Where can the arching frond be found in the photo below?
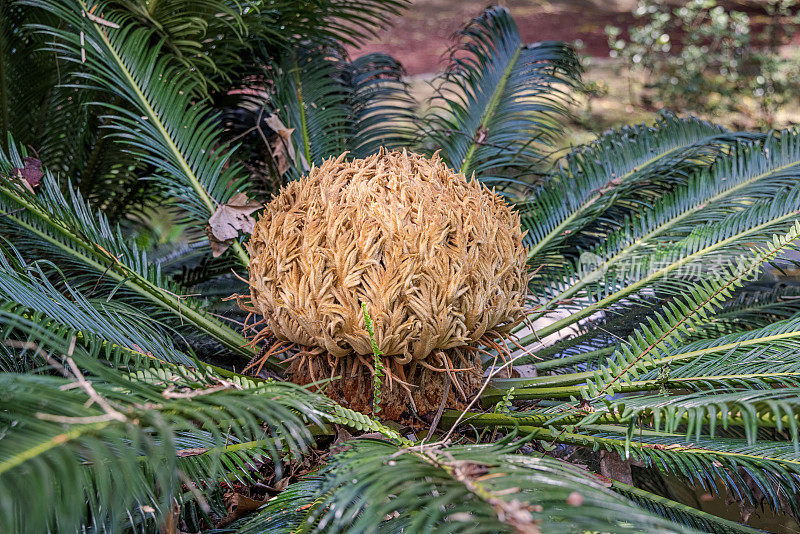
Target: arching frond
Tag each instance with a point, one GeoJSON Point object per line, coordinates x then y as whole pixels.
{"type": "Point", "coordinates": [742, 198]}
{"type": "Point", "coordinates": [333, 105]}
{"type": "Point", "coordinates": [119, 459]}
{"type": "Point", "coordinates": [623, 167]}
{"type": "Point", "coordinates": [382, 106]}
{"type": "Point", "coordinates": [497, 105]}
{"type": "Point", "coordinates": [664, 330]}
{"type": "Point", "coordinates": [32, 306]}
{"type": "Point", "coordinates": [160, 123]}
{"type": "Point", "coordinates": [26, 74]}
{"type": "Point", "coordinates": [97, 257]}
{"type": "Point", "coordinates": [204, 36]}
{"type": "Point", "coordinates": [349, 22]}
{"type": "Point", "coordinates": [42, 112]}
{"type": "Point", "coordinates": [457, 489]}
{"type": "Point", "coordinates": [773, 465]}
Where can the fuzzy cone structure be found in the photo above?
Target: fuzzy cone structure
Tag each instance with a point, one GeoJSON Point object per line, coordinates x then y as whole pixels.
{"type": "Point", "coordinates": [438, 260]}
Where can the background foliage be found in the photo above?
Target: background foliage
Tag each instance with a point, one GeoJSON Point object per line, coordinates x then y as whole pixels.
{"type": "Point", "coordinates": [706, 56]}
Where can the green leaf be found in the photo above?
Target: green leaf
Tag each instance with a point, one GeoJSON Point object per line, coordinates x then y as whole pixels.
{"type": "Point", "coordinates": [97, 257]}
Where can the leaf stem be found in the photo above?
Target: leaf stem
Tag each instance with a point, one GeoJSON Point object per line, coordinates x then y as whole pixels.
{"type": "Point", "coordinates": [301, 109]}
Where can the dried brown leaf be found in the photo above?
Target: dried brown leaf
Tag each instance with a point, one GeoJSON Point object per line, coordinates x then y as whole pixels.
{"type": "Point", "coordinates": [238, 506]}
{"type": "Point", "coordinates": [234, 217]}
{"type": "Point", "coordinates": [614, 467]}
{"type": "Point", "coordinates": [282, 146]}
{"type": "Point", "coordinates": [30, 175]}
{"type": "Point", "coordinates": [231, 218]}
{"type": "Point", "coordinates": [218, 247]}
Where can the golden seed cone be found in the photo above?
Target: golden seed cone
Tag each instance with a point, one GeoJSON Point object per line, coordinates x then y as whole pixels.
{"type": "Point", "coordinates": [437, 258]}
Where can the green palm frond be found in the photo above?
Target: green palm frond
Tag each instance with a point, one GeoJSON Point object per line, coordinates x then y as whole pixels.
{"type": "Point", "coordinates": [497, 106]}
{"type": "Point", "coordinates": [349, 22]}
{"type": "Point", "coordinates": [748, 409]}
{"type": "Point", "coordinates": [759, 358]}
{"type": "Point", "coordinates": [667, 327]}
{"type": "Point", "coordinates": [163, 125]}
{"type": "Point", "coordinates": [33, 306]}
{"type": "Point", "coordinates": [622, 169]}
{"type": "Point", "coordinates": [753, 309]}
{"type": "Point", "coordinates": [636, 401]}
{"type": "Point", "coordinates": [121, 458]}
{"type": "Point", "coordinates": [382, 106]}
{"type": "Point", "coordinates": [679, 513]}
{"type": "Point", "coordinates": [309, 100]}
{"type": "Point", "coordinates": [96, 257]}
{"type": "Point", "coordinates": [741, 199]}
{"type": "Point", "coordinates": [457, 489]}
{"type": "Point", "coordinates": [664, 330]}
{"type": "Point", "coordinates": [43, 111]}
{"type": "Point", "coordinates": [334, 105]}
{"type": "Point", "coordinates": [26, 74]}
{"type": "Point", "coordinates": [204, 36]}
{"type": "Point", "coordinates": [277, 27]}
{"type": "Point", "coordinates": [705, 462]}
{"type": "Point", "coordinates": [287, 511]}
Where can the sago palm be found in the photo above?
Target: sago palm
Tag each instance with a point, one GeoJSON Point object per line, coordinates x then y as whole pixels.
{"type": "Point", "coordinates": [649, 339]}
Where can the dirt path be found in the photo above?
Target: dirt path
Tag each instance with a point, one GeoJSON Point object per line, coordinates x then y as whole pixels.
{"type": "Point", "coordinates": [421, 36]}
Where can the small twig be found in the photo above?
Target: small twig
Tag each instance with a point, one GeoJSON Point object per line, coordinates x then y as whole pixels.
{"type": "Point", "coordinates": [100, 21]}
{"type": "Point", "coordinates": [111, 264]}
{"type": "Point", "coordinates": [170, 392]}
{"type": "Point", "coordinates": [26, 345]}
{"type": "Point", "coordinates": [180, 298]}
{"type": "Point", "coordinates": [76, 420]}
{"type": "Point", "coordinates": [94, 397]}
{"type": "Point", "coordinates": [11, 212]}
{"type": "Point", "coordinates": [613, 335]}
{"type": "Point", "coordinates": [218, 316]}
{"type": "Point", "coordinates": [474, 400]}
{"type": "Point", "coordinates": [440, 411]}
{"type": "Point", "coordinates": [251, 129]}
{"type": "Point", "coordinates": [492, 374]}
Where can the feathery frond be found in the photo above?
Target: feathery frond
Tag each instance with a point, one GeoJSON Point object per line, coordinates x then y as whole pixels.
{"type": "Point", "coordinates": [333, 105]}
{"type": "Point", "coordinates": [118, 460]}
{"type": "Point", "coordinates": [457, 489]}
{"type": "Point", "coordinates": [163, 126]}
{"type": "Point", "coordinates": [96, 257]}
{"type": "Point", "coordinates": [497, 105]}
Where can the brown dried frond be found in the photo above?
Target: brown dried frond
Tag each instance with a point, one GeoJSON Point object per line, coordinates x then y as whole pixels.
{"type": "Point", "coordinates": [437, 258]}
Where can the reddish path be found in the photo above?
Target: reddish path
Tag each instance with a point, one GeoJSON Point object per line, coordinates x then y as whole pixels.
{"type": "Point", "coordinates": [421, 35]}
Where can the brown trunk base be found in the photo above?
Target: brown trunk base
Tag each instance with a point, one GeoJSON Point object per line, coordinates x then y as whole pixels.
{"type": "Point", "coordinates": [422, 392]}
